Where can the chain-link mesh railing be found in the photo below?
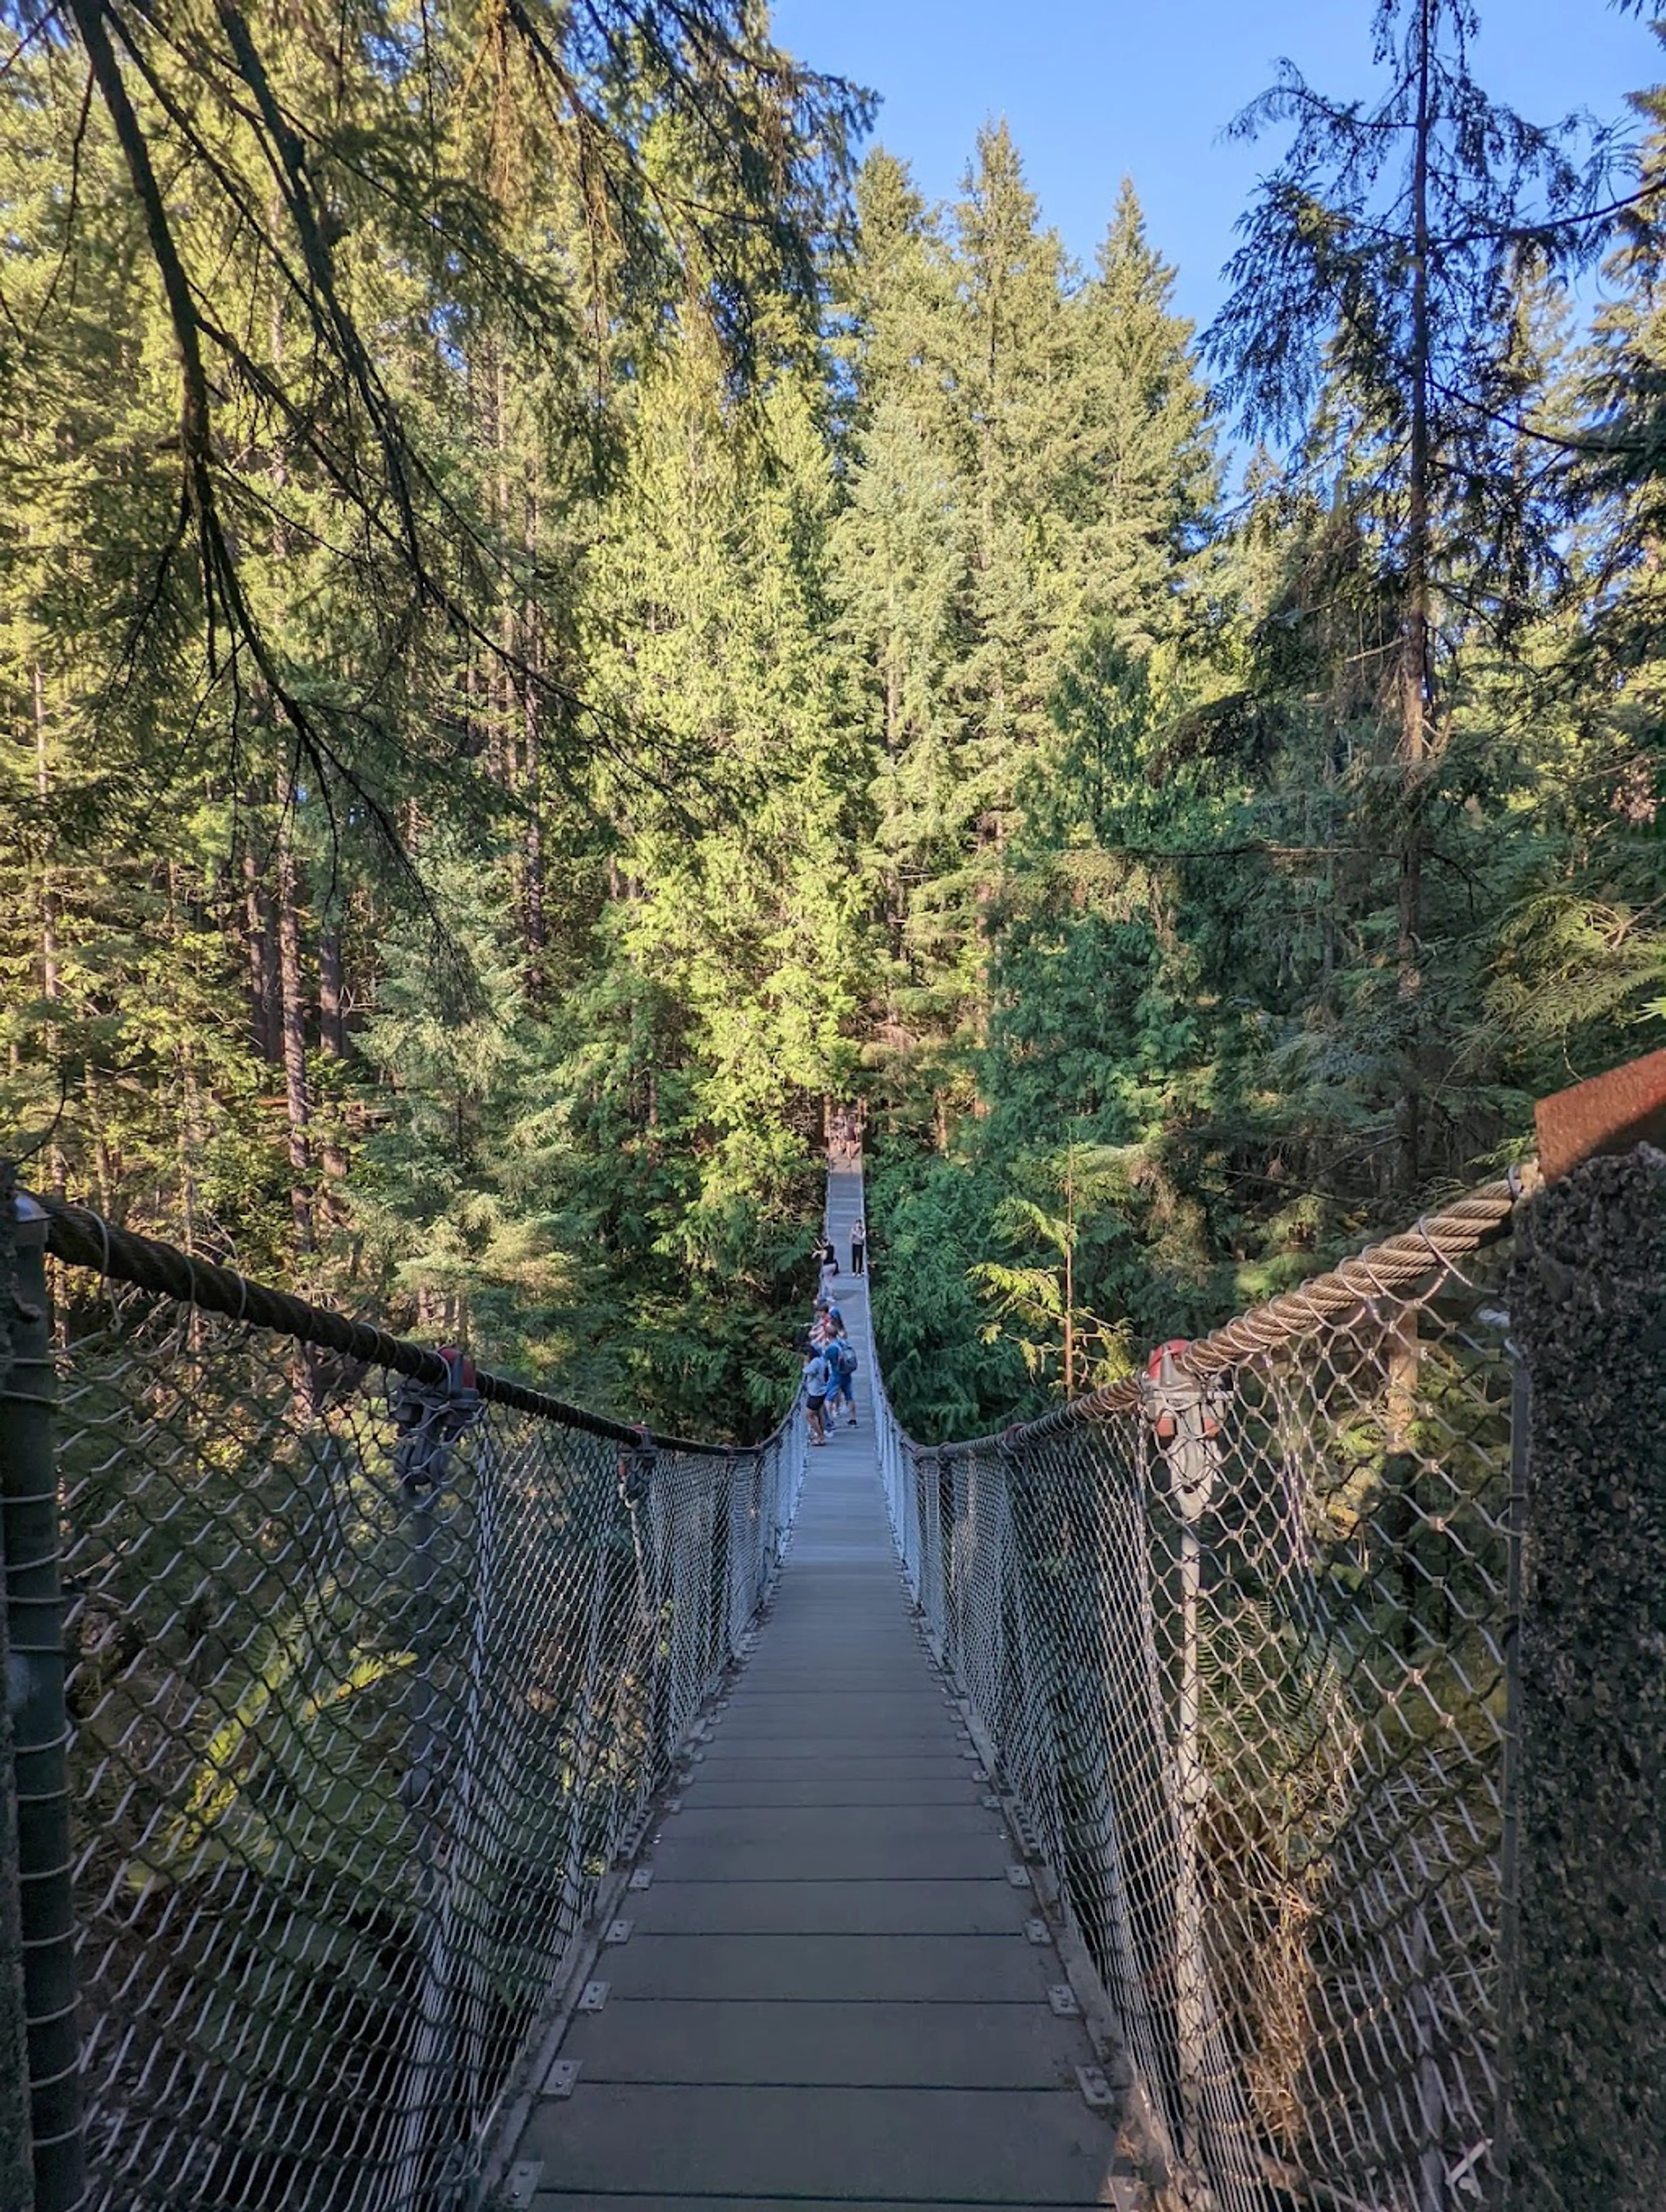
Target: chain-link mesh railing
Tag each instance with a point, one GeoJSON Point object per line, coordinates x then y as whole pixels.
{"type": "Point", "coordinates": [1240, 1635]}
{"type": "Point", "coordinates": [373, 1668]}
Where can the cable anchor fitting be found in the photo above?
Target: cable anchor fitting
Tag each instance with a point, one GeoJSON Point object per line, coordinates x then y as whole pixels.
{"type": "Point", "coordinates": [1187, 1414]}
{"type": "Point", "coordinates": [636, 1467]}
{"type": "Point", "coordinates": [430, 1417]}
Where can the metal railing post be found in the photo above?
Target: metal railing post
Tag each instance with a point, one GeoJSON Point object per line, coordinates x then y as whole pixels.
{"type": "Point", "coordinates": [16, 2182]}
{"type": "Point", "coordinates": [430, 1420]}
{"type": "Point", "coordinates": [739, 1581]}
{"type": "Point", "coordinates": [1586, 2027]}
{"type": "Point", "coordinates": [1521, 1417]}
{"type": "Point", "coordinates": [29, 1545]}
{"type": "Point", "coordinates": [929, 1467]}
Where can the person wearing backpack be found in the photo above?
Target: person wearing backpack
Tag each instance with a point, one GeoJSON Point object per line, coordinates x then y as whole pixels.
{"type": "Point", "coordinates": [841, 1357]}
{"type": "Point", "coordinates": [817, 1381]}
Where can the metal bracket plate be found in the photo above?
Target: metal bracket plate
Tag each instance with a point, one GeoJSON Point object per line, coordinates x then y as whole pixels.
{"type": "Point", "coordinates": [642, 1879]}
{"type": "Point", "coordinates": [1061, 1999]}
{"type": "Point", "coordinates": [619, 1931]}
{"type": "Point", "coordinates": [1019, 1876]}
{"type": "Point", "coordinates": [1095, 2089]}
{"type": "Point", "coordinates": [522, 2184]}
{"type": "Point", "coordinates": [1034, 1931]}
{"type": "Point", "coordinates": [593, 1996]}
{"type": "Point", "coordinates": [562, 2077]}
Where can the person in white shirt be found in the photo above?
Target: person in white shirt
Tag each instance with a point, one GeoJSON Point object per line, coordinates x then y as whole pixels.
{"type": "Point", "coordinates": [841, 1359]}
{"type": "Point", "coordinates": [817, 1381]}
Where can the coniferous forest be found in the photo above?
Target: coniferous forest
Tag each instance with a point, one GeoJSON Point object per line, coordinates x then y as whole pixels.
{"type": "Point", "coordinates": [558, 615]}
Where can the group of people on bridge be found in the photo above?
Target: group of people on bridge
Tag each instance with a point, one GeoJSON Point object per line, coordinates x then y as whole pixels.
{"type": "Point", "coordinates": [844, 1136]}
{"type": "Point", "coordinates": [830, 1362]}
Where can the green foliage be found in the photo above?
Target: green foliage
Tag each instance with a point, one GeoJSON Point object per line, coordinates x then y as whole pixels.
{"type": "Point", "coordinates": [734, 640]}
{"type": "Point", "coordinates": [433, 789]}
{"type": "Point", "coordinates": [1303, 852]}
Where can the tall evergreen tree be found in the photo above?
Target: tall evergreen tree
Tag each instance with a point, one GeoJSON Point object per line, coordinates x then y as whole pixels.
{"type": "Point", "coordinates": [1377, 274]}
{"type": "Point", "coordinates": [960, 579]}
{"type": "Point", "coordinates": [900, 575]}
{"type": "Point", "coordinates": [1146, 475]}
{"type": "Point", "coordinates": [1016, 398]}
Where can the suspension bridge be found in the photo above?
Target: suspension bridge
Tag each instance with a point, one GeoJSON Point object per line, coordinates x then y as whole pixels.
{"type": "Point", "coordinates": [432, 1797]}
{"type": "Point", "coordinates": [828, 1993]}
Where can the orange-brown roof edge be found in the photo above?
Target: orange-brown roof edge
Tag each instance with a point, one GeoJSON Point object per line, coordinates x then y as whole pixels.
{"type": "Point", "coordinates": [1610, 1114]}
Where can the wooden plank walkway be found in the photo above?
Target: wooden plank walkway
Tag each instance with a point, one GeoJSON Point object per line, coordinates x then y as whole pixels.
{"type": "Point", "coordinates": [828, 1996]}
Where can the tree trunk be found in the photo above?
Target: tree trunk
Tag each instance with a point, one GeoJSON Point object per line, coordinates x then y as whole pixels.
{"type": "Point", "coordinates": [332, 1042]}
{"type": "Point", "coordinates": [1070, 1274]}
{"type": "Point", "coordinates": [332, 1022]}
{"type": "Point", "coordinates": [188, 1129]}
{"type": "Point", "coordinates": [51, 985]}
{"type": "Point", "coordinates": [1415, 659]}
{"type": "Point", "coordinates": [104, 1166]}
{"type": "Point", "coordinates": [500, 681]}
{"type": "Point", "coordinates": [537, 923]}
{"type": "Point", "coordinates": [190, 1145]}
{"type": "Point", "coordinates": [537, 927]}
{"type": "Point", "coordinates": [297, 1096]}
{"type": "Point", "coordinates": [52, 979]}
{"type": "Point", "coordinates": [257, 938]}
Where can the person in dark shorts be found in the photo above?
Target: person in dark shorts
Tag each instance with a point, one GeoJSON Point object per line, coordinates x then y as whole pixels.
{"type": "Point", "coordinates": [841, 1358]}
{"type": "Point", "coordinates": [817, 1381]}
{"type": "Point", "coordinates": [858, 1247]}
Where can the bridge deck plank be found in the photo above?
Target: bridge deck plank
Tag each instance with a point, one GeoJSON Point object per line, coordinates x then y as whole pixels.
{"type": "Point", "coordinates": [834, 1793]}
{"type": "Point", "coordinates": [827, 2043]}
{"type": "Point", "coordinates": [826, 1908]}
{"type": "Point", "coordinates": [955, 1968]}
{"type": "Point", "coordinates": [1005, 2147]}
{"type": "Point", "coordinates": [828, 1995]}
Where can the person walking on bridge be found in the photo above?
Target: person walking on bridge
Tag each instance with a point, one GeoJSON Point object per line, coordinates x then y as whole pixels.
{"type": "Point", "coordinates": [841, 1360]}
{"type": "Point", "coordinates": [817, 1381]}
{"type": "Point", "coordinates": [857, 1245]}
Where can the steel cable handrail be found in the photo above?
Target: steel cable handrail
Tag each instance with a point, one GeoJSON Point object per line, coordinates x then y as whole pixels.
{"type": "Point", "coordinates": [371, 1666]}
{"type": "Point", "coordinates": [83, 1238]}
{"type": "Point", "coordinates": [1239, 1635]}
{"type": "Point", "coordinates": [1397, 1265]}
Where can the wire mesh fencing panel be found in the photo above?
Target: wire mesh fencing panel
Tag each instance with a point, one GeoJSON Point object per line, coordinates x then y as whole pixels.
{"type": "Point", "coordinates": [371, 1680]}
{"type": "Point", "coordinates": [1242, 1638]}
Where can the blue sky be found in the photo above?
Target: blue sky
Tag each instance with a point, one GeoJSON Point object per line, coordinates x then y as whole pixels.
{"type": "Point", "coordinates": [1094, 89]}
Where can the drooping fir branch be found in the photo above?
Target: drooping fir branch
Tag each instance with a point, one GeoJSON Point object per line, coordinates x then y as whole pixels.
{"type": "Point", "coordinates": [770, 145]}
